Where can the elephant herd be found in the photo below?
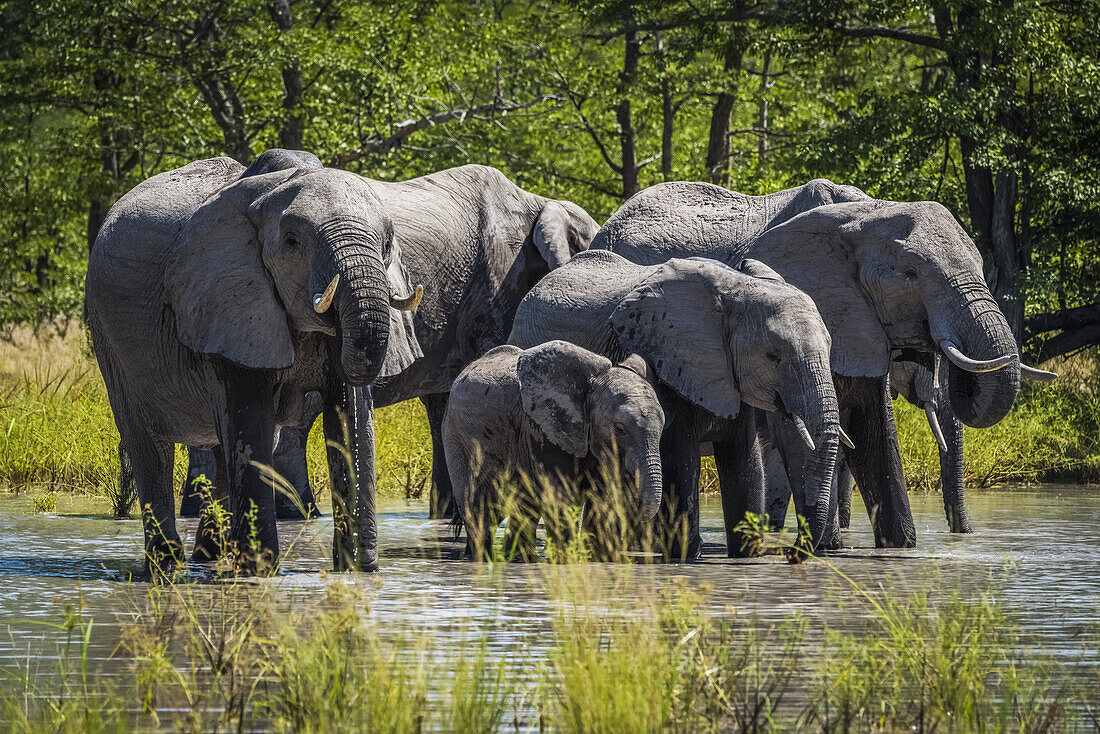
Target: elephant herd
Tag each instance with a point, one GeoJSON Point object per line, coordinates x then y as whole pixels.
{"type": "Point", "coordinates": [229, 307]}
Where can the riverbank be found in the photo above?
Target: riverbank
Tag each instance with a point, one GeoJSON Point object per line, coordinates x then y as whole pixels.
{"type": "Point", "coordinates": [57, 433]}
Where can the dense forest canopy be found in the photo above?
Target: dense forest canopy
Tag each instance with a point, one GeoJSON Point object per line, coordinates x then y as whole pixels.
{"type": "Point", "coordinates": [991, 107]}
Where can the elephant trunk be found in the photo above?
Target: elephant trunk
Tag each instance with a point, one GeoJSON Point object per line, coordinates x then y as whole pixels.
{"type": "Point", "coordinates": [650, 486]}
{"type": "Point", "coordinates": [976, 329]}
{"type": "Point", "coordinates": [362, 302]}
{"type": "Point", "coordinates": [814, 402]}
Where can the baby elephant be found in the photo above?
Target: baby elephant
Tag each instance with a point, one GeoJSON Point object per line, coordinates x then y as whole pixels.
{"type": "Point", "coordinates": [556, 418]}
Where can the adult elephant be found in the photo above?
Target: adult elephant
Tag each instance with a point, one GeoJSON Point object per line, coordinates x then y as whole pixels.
{"type": "Point", "coordinates": [478, 243]}
{"type": "Point", "coordinates": [890, 279]}
{"type": "Point", "coordinates": [717, 338]}
{"type": "Point", "coordinates": [216, 302]}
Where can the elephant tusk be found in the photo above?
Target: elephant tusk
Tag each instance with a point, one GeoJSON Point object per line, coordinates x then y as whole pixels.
{"type": "Point", "coordinates": [974, 365]}
{"type": "Point", "coordinates": [322, 301]}
{"type": "Point", "coordinates": [844, 437]}
{"type": "Point", "coordinates": [1036, 375]}
{"type": "Point", "coordinates": [409, 303]}
{"type": "Point", "coordinates": [935, 426]}
{"type": "Point", "coordinates": [803, 432]}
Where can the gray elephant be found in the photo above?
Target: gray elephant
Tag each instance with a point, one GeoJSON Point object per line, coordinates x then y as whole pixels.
{"type": "Point", "coordinates": [559, 420]}
{"type": "Point", "coordinates": [716, 337]}
{"type": "Point", "coordinates": [216, 302]}
{"type": "Point", "coordinates": [891, 280]}
{"type": "Point", "coordinates": [478, 243]}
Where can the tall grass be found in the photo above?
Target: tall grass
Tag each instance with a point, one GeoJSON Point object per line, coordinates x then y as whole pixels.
{"type": "Point", "coordinates": [238, 657]}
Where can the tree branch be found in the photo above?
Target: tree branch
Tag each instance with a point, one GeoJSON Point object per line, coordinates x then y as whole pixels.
{"type": "Point", "coordinates": [880, 31]}
{"type": "Point", "coordinates": [402, 130]}
{"type": "Point", "coordinates": [1069, 319]}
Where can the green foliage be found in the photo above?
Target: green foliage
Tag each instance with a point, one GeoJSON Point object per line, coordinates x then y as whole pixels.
{"type": "Point", "coordinates": [907, 101]}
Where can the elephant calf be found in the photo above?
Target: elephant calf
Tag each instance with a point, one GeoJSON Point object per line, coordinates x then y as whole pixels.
{"type": "Point", "coordinates": [557, 418]}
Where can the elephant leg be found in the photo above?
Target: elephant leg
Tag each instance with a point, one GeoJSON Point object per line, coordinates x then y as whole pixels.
{"type": "Point", "coordinates": [246, 432]}
{"type": "Point", "coordinates": [844, 493]}
{"type": "Point", "coordinates": [876, 462]}
{"type": "Point", "coordinates": [678, 518]}
{"type": "Point", "coordinates": [951, 470]}
{"type": "Point", "coordinates": [441, 496]}
{"type": "Point", "coordinates": [127, 490]}
{"type": "Point", "coordinates": [200, 463]}
{"type": "Point", "coordinates": [210, 538]}
{"type": "Point", "coordinates": [741, 478]}
{"type": "Point", "coordinates": [480, 519]}
{"type": "Point", "coordinates": [520, 537]}
{"type": "Point", "coordinates": [349, 422]}
{"type": "Point", "coordinates": [289, 460]}
{"type": "Point", "coordinates": [777, 488]}
{"type": "Point", "coordinates": [152, 460]}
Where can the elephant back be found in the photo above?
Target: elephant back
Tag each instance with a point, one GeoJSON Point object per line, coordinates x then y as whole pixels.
{"type": "Point", "coordinates": [575, 302]}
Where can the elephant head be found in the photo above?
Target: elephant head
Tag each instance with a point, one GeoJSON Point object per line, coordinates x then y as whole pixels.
{"type": "Point", "coordinates": [290, 251]}
{"type": "Point", "coordinates": [890, 277]}
{"type": "Point", "coordinates": [720, 338]}
{"type": "Point", "coordinates": [920, 387]}
{"type": "Point", "coordinates": [562, 230]}
{"type": "Point", "coordinates": [586, 405]}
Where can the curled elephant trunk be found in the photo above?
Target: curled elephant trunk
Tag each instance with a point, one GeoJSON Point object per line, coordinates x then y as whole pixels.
{"type": "Point", "coordinates": [362, 303]}
{"type": "Point", "coordinates": [984, 369]}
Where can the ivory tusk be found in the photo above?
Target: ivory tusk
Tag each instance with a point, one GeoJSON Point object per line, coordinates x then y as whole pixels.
{"type": "Point", "coordinates": [803, 432]}
{"type": "Point", "coordinates": [844, 437]}
{"type": "Point", "coordinates": [935, 426]}
{"type": "Point", "coordinates": [1036, 375]}
{"type": "Point", "coordinates": [322, 301]}
{"type": "Point", "coordinates": [409, 303]}
{"type": "Point", "coordinates": [974, 365]}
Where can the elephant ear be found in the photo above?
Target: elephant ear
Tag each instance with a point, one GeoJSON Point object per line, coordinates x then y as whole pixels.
{"type": "Point", "coordinates": [403, 348]}
{"type": "Point", "coordinates": [815, 252]}
{"type": "Point", "coordinates": [553, 383]}
{"type": "Point", "coordinates": [222, 297]}
{"type": "Point", "coordinates": [562, 230]}
{"type": "Point", "coordinates": [675, 320]}
{"type": "Point", "coordinates": [757, 269]}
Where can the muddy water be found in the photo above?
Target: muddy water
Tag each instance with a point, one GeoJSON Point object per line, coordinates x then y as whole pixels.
{"type": "Point", "coordinates": [1037, 550]}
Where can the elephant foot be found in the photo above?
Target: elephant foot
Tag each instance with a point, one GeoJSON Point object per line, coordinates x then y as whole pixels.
{"type": "Point", "coordinates": [163, 558]}
{"type": "Point", "coordinates": [291, 512]}
{"type": "Point", "coordinates": [957, 521]}
{"type": "Point", "coordinates": [902, 541]}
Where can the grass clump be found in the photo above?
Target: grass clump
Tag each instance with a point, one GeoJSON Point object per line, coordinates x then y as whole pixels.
{"type": "Point", "coordinates": [44, 503]}
{"type": "Point", "coordinates": [1050, 435]}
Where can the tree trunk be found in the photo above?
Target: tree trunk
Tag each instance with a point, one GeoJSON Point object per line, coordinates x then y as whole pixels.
{"type": "Point", "coordinates": [627, 139]}
{"type": "Point", "coordinates": [762, 109]}
{"type": "Point", "coordinates": [293, 127]}
{"type": "Point", "coordinates": [668, 112]}
{"type": "Point", "coordinates": [718, 144]}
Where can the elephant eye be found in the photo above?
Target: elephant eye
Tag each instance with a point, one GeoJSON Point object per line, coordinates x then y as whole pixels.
{"type": "Point", "coordinates": [291, 241]}
{"type": "Point", "coordinates": [911, 274]}
{"type": "Point", "coordinates": [773, 356]}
